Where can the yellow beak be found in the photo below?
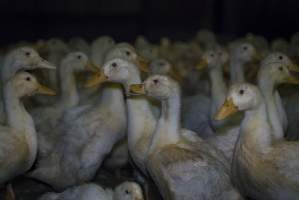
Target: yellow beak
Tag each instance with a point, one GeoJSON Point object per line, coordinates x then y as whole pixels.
{"type": "Point", "coordinates": [92, 67]}
{"type": "Point", "coordinates": [226, 110]}
{"type": "Point", "coordinates": [293, 80]}
{"type": "Point", "coordinates": [137, 89]}
{"type": "Point", "coordinates": [202, 64]}
{"type": "Point", "coordinates": [45, 90]}
{"type": "Point", "coordinates": [294, 68]}
{"type": "Point", "coordinates": [142, 64]}
{"type": "Point", "coordinates": [97, 79]}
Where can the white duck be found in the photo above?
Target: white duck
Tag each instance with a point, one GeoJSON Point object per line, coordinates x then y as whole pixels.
{"type": "Point", "coordinates": [79, 44]}
{"type": "Point", "coordinates": [56, 50]}
{"type": "Point", "coordinates": [91, 191]}
{"type": "Point", "coordinates": [182, 168]}
{"type": "Point", "coordinates": [263, 168]}
{"type": "Point", "coordinates": [18, 146]}
{"type": "Point", "coordinates": [22, 58]}
{"type": "Point", "coordinates": [241, 54]}
{"type": "Point", "coordinates": [46, 117]}
{"type": "Point", "coordinates": [87, 130]}
{"type": "Point", "coordinates": [141, 121]}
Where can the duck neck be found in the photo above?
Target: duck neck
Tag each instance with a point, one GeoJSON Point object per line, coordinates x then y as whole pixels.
{"type": "Point", "coordinates": [236, 71]}
{"type": "Point", "coordinates": [19, 119]}
{"type": "Point", "coordinates": [141, 119]}
{"type": "Point", "coordinates": [68, 90]}
{"type": "Point", "coordinates": [218, 89]}
{"type": "Point", "coordinates": [168, 126]}
{"type": "Point", "coordinates": [267, 87]}
{"type": "Point", "coordinates": [112, 97]}
{"type": "Point", "coordinates": [255, 130]}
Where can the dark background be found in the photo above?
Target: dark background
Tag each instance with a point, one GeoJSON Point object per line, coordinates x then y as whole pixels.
{"type": "Point", "coordinates": [125, 19]}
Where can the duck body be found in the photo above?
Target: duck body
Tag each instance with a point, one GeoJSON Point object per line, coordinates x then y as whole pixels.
{"type": "Point", "coordinates": [18, 147]}
{"type": "Point", "coordinates": [89, 133]}
{"type": "Point", "coordinates": [263, 167]}
{"type": "Point", "coordinates": [183, 167]}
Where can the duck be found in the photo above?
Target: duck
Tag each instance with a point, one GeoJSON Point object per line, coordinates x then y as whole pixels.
{"type": "Point", "coordinates": [262, 167]}
{"type": "Point", "coordinates": [46, 117]}
{"type": "Point", "coordinates": [18, 147]}
{"type": "Point", "coordinates": [56, 49]}
{"type": "Point", "coordinates": [241, 54]}
{"type": "Point", "coordinates": [79, 44]}
{"type": "Point", "coordinates": [91, 191]}
{"type": "Point", "coordinates": [164, 67]}
{"type": "Point", "coordinates": [271, 74]}
{"type": "Point", "coordinates": [21, 58]}
{"type": "Point", "coordinates": [141, 120]}
{"type": "Point", "coordinates": [99, 48]}
{"type": "Point", "coordinates": [280, 45]}
{"type": "Point", "coordinates": [182, 168]}
{"type": "Point", "coordinates": [91, 130]}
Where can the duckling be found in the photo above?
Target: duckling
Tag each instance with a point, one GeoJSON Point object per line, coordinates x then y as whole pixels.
{"type": "Point", "coordinates": [46, 117]}
{"type": "Point", "coordinates": [91, 191]}
{"type": "Point", "coordinates": [182, 168]}
{"type": "Point", "coordinates": [18, 146]}
{"type": "Point", "coordinates": [262, 168]}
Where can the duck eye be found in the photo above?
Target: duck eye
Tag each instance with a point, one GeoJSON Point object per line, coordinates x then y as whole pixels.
{"type": "Point", "coordinates": [28, 79]}
{"type": "Point", "coordinates": [280, 69]}
{"type": "Point", "coordinates": [161, 63]}
{"type": "Point", "coordinates": [212, 55]}
{"type": "Point", "coordinates": [156, 81]}
{"type": "Point", "coordinates": [114, 65]}
{"type": "Point", "coordinates": [128, 53]}
{"type": "Point", "coordinates": [241, 92]}
{"type": "Point", "coordinates": [27, 53]}
{"type": "Point", "coordinates": [280, 57]}
{"type": "Point", "coordinates": [127, 192]}
{"type": "Point", "coordinates": [245, 48]}
{"type": "Point", "coordinates": [79, 57]}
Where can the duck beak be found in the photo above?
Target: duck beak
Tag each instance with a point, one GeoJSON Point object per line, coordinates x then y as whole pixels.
{"type": "Point", "coordinates": [142, 64]}
{"type": "Point", "coordinates": [92, 67]}
{"type": "Point", "coordinates": [257, 57]}
{"type": "Point", "coordinates": [45, 64]}
{"type": "Point", "coordinates": [293, 80]}
{"type": "Point", "coordinates": [137, 89]}
{"type": "Point", "coordinates": [97, 79]}
{"type": "Point", "coordinates": [226, 110]}
{"type": "Point", "coordinates": [294, 68]}
{"type": "Point", "coordinates": [175, 74]}
{"type": "Point", "coordinates": [45, 91]}
{"type": "Point", "coordinates": [202, 64]}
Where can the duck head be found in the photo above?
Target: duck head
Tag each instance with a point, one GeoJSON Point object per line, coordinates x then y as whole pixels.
{"type": "Point", "coordinates": [128, 52]}
{"type": "Point", "coordinates": [26, 84]}
{"type": "Point", "coordinates": [241, 97]}
{"type": "Point", "coordinates": [156, 86]}
{"type": "Point", "coordinates": [23, 58]}
{"type": "Point", "coordinates": [244, 53]}
{"type": "Point", "coordinates": [128, 191]}
{"type": "Point", "coordinates": [164, 67]}
{"type": "Point", "coordinates": [278, 57]}
{"type": "Point", "coordinates": [79, 61]}
{"type": "Point", "coordinates": [278, 72]}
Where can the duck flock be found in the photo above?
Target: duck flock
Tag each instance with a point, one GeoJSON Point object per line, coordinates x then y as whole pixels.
{"type": "Point", "coordinates": [204, 119]}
